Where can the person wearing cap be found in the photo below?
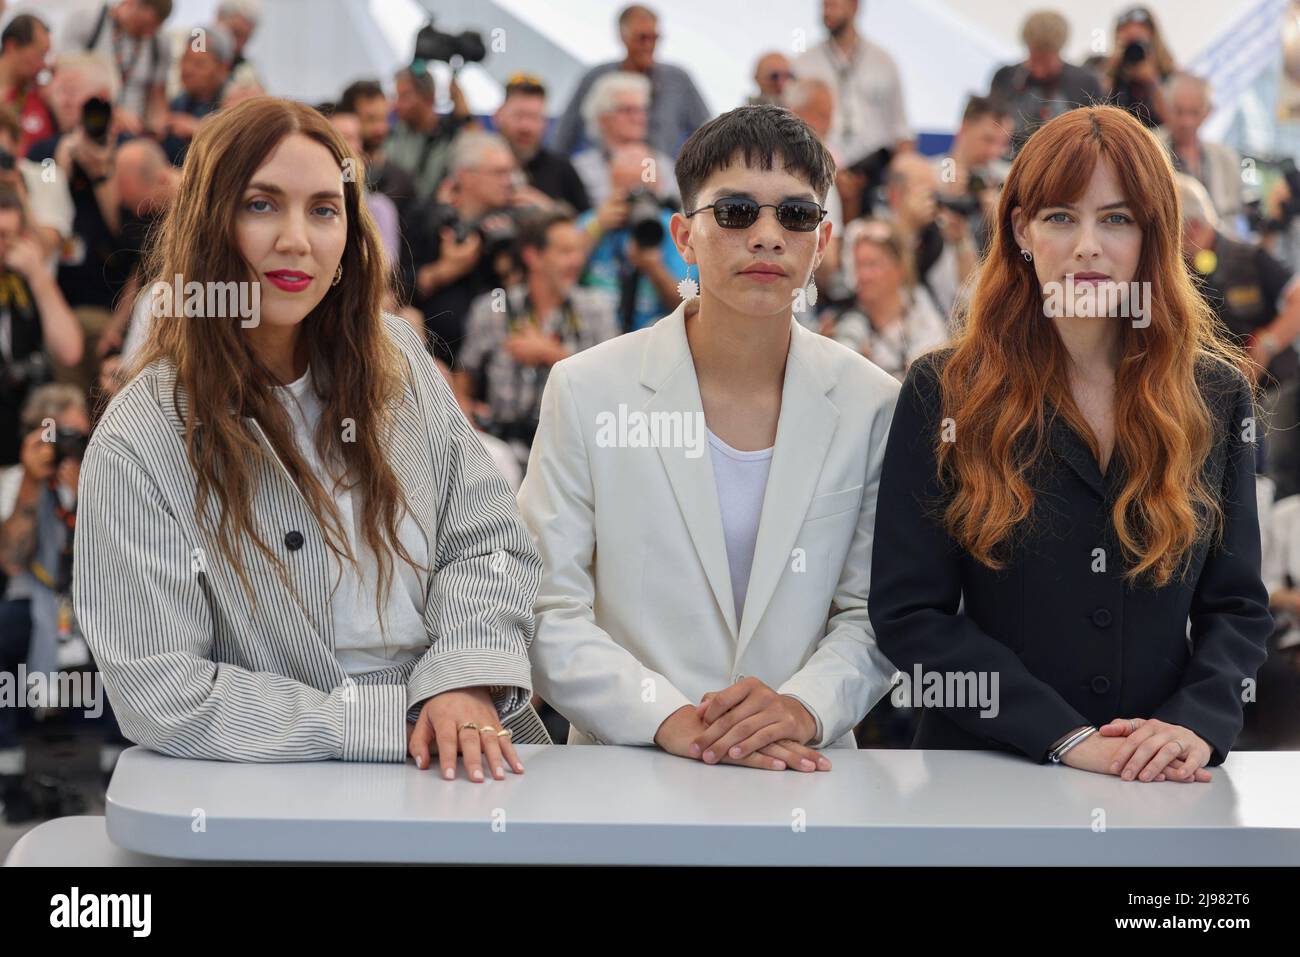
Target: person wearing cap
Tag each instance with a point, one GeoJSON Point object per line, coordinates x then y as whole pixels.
{"type": "Point", "coordinates": [1139, 65]}
{"type": "Point", "coordinates": [205, 67]}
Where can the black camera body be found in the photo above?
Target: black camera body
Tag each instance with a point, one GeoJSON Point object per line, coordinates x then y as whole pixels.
{"type": "Point", "coordinates": [1135, 52]}
{"type": "Point", "coordinates": [643, 220]}
{"type": "Point", "coordinates": [96, 117]}
{"type": "Point", "coordinates": [69, 443]}
{"type": "Point", "coordinates": [432, 44]}
{"type": "Point", "coordinates": [498, 229]}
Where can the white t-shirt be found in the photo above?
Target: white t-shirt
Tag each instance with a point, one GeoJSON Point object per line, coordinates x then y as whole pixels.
{"type": "Point", "coordinates": [359, 645]}
{"type": "Point", "coordinates": [741, 478]}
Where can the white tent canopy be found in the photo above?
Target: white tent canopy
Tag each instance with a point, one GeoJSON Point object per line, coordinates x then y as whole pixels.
{"type": "Point", "coordinates": [945, 49]}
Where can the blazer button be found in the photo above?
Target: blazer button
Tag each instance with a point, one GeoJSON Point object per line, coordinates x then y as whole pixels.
{"type": "Point", "coordinates": [1101, 617]}
{"type": "Point", "coordinates": [1100, 684]}
{"type": "Point", "coordinates": [293, 540]}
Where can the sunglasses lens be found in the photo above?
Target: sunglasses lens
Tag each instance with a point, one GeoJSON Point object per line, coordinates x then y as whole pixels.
{"type": "Point", "coordinates": [799, 217]}
{"type": "Point", "coordinates": [735, 213]}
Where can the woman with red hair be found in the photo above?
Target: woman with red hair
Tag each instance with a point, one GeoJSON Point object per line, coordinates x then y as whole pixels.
{"type": "Point", "coordinates": [1071, 483]}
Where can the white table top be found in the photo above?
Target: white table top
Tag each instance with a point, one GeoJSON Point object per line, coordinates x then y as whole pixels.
{"type": "Point", "coordinates": [600, 805]}
{"type": "Point", "coordinates": [76, 842]}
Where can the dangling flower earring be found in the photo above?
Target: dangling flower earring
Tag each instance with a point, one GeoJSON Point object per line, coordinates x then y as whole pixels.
{"type": "Point", "coordinates": [810, 292]}
{"type": "Point", "coordinates": [1029, 257]}
{"type": "Point", "coordinates": [338, 274]}
{"type": "Point", "coordinates": [688, 288]}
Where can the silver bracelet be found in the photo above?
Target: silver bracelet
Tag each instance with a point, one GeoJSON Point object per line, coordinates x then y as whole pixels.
{"type": "Point", "coordinates": [1068, 743]}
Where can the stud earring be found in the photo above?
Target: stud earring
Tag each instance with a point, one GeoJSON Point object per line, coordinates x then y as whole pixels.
{"type": "Point", "coordinates": [1029, 257]}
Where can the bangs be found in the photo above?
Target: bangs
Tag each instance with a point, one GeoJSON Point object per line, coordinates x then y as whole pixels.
{"type": "Point", "coordinates": [1060, 172]}
{"type": "Point", "coordinates": [1062, 177]}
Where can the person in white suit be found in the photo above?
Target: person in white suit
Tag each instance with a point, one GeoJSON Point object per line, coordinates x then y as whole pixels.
{"type": "Point", "coordinates": [703, 491]}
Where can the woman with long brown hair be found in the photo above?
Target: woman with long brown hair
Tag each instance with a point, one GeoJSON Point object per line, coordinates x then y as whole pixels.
{"type": "Point", "coordinates": [291, 544]}
{"type": "Point", "coordinates": [1071, 483]}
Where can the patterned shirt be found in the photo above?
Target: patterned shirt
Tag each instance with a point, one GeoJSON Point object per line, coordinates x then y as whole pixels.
{"type": "Point", "coordinates": [514, 391]}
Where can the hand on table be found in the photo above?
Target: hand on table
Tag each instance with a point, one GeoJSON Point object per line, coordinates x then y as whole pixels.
{"type": "Point", "coordinates": [441, 724]}
{"type": "Point", "coordinates": [685, 725]}
{"type": "Point", "coordinates": [749, 717]}
{"type": "Point", "coordinates": [1156, 750]}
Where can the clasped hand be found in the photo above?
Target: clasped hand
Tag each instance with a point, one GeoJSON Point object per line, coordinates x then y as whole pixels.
{"type": "Point", "coordinates": [747, 723]}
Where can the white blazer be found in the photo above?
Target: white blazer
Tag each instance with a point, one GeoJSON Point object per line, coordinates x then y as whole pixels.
{"type": "Point", "coordinates": [635, 616]}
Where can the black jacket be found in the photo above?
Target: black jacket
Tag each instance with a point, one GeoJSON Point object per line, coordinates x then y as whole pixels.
{"type": "Point", "coordinates": [1071, 644]}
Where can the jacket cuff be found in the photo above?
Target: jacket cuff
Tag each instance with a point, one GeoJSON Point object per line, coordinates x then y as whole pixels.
{"type": "Point", "coordinates": [507, 675]}
{"type": "Point", "coordinates": [374, 728]}
{"type": "Point", "coordinates": [1181, 711]}
{"type": "Point", "coordinates": [816, 741]}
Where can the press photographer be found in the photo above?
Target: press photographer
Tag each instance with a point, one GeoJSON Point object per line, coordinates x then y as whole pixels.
{"type": "Point", "coordinates": [1139, 66]}
{"type": "Point", "coordinates": [464, 245]}
{"type": "Point", "coordinates": [632, 255]}
{"type": "Point", "coordinates": [36, 324]}
{"type": "Point", "coordinates": [420, 142]}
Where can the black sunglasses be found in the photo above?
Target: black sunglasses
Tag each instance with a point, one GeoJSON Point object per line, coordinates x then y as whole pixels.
{"type": "Point", "coordinates": [738, 212]}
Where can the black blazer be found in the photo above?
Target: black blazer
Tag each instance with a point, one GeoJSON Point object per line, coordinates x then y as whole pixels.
{"type": "Point", "coordinates": [1070, 645]}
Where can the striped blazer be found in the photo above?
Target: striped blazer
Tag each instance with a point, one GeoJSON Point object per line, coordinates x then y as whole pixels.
{"type": "Point", "coordinates": [194, 670]}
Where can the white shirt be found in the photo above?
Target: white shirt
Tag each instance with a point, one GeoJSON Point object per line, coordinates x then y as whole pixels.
{"type": "Point", "coordinates": [358, 643]}
{"type": "Point", "coordinates": [868, 95]}
{"type": "Point", "coordinates": [741, 478]}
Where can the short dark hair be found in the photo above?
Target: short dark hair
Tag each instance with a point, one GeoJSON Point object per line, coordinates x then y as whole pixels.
{"type": "Point", "coordinates": [22, 30]}
{"type": "Point", "coordinates": [360, 90]}
{"type": "Point", "coordinates": [10, 198]}
{"type": "Point", "coordinates": [755, 134]}
{"type": "Point", "coordinates": [421, 80]}
{"type": "Point", "coordinates": [536, 225]}
{"type": "Point", "coordinates": [162, 9]}
{"type": "Point", "coordinates": [978, 107]}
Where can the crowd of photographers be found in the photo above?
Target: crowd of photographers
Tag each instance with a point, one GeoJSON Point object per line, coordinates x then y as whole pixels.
{"type": "Point", "coordinates": [511, 249]}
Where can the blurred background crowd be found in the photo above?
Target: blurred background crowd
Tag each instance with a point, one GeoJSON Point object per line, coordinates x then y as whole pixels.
{"type": "Point", "coordinates": [521, 235]}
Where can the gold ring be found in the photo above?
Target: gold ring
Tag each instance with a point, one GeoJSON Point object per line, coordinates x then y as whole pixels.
{"type": "Point", "coordinates": [469, 724]}
{"type": "Point", "coordinates": [506, 733]}
{"type": "Point", "coordinates": [486, 728]}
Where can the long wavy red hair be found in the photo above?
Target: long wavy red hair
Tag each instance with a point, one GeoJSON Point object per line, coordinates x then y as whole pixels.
{"type": "Point", "coordinates": [1008, 369]}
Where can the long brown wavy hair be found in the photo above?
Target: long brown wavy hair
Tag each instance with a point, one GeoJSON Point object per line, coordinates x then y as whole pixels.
{"type": "Point", "coordinates": [355, 368]}
{"type": "Point", "coordinates": [1009, 367]}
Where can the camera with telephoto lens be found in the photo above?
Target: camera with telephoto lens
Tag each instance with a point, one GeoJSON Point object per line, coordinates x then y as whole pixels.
{"type": "Point", "coordinates": [643, 218]}
{"type": "Point", "coordinates": [69, 443]}
{"type": "Point", "coordinates": [873, 168]}
{"type": "Point", "coordinates": [432, 44]}
{"type": "Point", "coordinates": [96, 117]}
{"type": "Point", "coordinates": [498, 230]}
{"type": "Point", "coordinates": [966, 204]}
{"type": "Point", "coordinates": [1135, 52]}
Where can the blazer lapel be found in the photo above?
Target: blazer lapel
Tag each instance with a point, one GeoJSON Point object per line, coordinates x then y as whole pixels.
{"type": "Point", "coordinates": [667, 368]}
{"type": "Point", "coordinates": [803, 436]}
{"type": "Point", "coordinates": [1071, 447]}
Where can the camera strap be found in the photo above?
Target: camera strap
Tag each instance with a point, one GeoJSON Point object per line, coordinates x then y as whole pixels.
{"type": "Point", "coordinates": [124, 66]}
